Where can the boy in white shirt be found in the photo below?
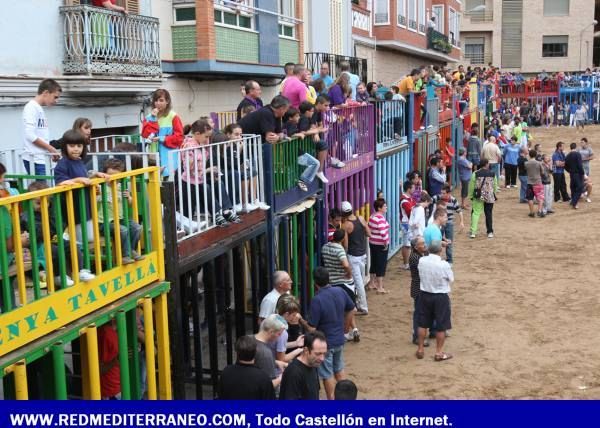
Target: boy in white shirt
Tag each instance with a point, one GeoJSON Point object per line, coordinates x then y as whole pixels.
{"type": "Point", "coordinates": [36, 135]}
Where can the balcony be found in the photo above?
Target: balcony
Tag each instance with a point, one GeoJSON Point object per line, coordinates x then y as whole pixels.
{"type": "Point", "coordinates": [103, 42]}
{"type": "Point", "coordinates": [438, 41]}
{"type": "Point", "coordinates": [313, 61]}
{"type": "Point", "coordinates": [479, 16]}
{"type": "Point", "coordinates": [361, 19]}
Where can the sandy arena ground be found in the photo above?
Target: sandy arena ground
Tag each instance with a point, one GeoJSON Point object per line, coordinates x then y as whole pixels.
{"type": "Point", "coordinates": [525, 309]}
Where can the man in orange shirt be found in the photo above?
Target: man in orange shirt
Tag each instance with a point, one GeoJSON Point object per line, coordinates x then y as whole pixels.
{"type": "Point", "coordinates": [407, 85]}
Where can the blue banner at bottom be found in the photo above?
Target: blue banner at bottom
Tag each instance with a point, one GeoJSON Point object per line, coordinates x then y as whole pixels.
{"type": "Point", "coordinates": [457, 414]}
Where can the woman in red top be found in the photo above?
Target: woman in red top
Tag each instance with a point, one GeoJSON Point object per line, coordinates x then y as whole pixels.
{"type": "Point", "coordinates": [379, 242]}
{"type": "Point", "coordinates": [109, 4]}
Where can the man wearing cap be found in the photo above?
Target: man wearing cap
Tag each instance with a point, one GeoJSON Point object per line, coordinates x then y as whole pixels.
{"type": "Point", "coordinates": [357, 232]}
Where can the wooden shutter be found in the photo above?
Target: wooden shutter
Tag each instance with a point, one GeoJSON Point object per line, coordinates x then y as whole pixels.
{"type": "Point", "coordinates": [72, 2]}
{"type": "Point", "coordinates": [512, 33]}
{"type": "Point", "coordinates": [132, 6]}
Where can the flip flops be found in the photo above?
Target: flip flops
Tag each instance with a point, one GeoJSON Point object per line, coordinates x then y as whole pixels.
{"type": "Point", "coordinates": [442, 357]}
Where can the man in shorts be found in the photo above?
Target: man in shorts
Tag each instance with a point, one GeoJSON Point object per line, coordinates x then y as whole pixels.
{"type": "Point", "coordinates": [337, 264]}
{"type": "Point", "coordinates": [535, 187]}
{"type": "Point", "coordinates": [330, 311]}
{"type": "Point", "coordinates": [435, 277]}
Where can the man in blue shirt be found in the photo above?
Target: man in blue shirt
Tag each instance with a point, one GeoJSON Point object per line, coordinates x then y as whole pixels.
{"type": "Point", "coordinates": [558, 171]}
{"type": "Point", "coordinates": [324, 76]}
{"type": "Point", "coordinates": [433, 232]}
{"type": "Point", "coordinates": [572, 110]}
{"type": "Point", "coordinates": [330, 312]}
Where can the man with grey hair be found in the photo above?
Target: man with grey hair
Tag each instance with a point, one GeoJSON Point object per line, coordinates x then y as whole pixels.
{"type": "Point", "coordinates": [282, 284]}
{"type": "Point", "coordinates": [295, 89]}
{"type": "Point", "coordinates": [418, 250]}
{"type": "Point", "coordinates": [270, 329]}
{"type": "Point", "coordinates": [251, 98]}
{"type": "Point", "coordinates": [436, 276]}
{"type": "Point", "coordinates": [266, 121]}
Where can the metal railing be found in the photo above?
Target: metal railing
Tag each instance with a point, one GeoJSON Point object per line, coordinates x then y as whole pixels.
{"type": "Point", "coordinates": [389, 124]}
{"type": "Point", "coordinates": [480, 16]}
{"type": "Point", "coordinates": [361, 18]}
{"type": "Point", "coordinates": [223, 118]}
{"type": "Point", "coordinates": [286, 170]}
{"type": "Point", "coordinates": [349, 132]}
{"type": "Point", "coordinates": [109, 142]}
{"type": "Point", "coordinates": [102, 41]}
{"type": "Point", "coordinates": [438, 41]}
{"type": "Point", "coordinates": [215, 178]}
{"type": "Point", "coordinates": [313, 61]}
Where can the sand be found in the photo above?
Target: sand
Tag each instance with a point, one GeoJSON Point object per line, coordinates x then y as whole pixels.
{"type": "Point", "coordinates": [525, 309]}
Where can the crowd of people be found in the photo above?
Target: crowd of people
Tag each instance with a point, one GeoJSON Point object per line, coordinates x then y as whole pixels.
{"type": "Point", "coordinates": [289, 354]}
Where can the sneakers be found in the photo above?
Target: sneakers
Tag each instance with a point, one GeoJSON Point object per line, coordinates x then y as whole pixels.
{"type": "Point", "coordinates": [349, 336]}
{"type": "Point", "coordinates": [406, 267]}
{"type": "Point", "coordinates": [355, 335]}
{"type": "Point", "coordinates": [220, 220]}
{"type": "Point", "coordinates": [541, 214]}
{"type": "Point", "coordinates": [137, 257]}
{"type": "Point", "coordinates": [322, 177]}
{"type": "Point", "coordinates": [532, 215]}
{"type": "Point", "coordinates": [588, 200]}
{"type": "Point", "coordinates": [85, 275]}
{"type": "Point", "coordinates": [472, 236]}
{"type": "Point", "coordinates": [68, 280]}
{"type": "Point", "coordinates": [550, 212]}
{"type": "Point", "coordinates": [490, 235]}
{"type": "Point", "coordinates": [126, 260]}
{"type": "Point", "coordinates": [232, 217]}
{"type": "Point", "coordinates": [248, 208]}
{"type": "Point", "coordinates": [336, 163]}
{"type": "Point", "coordinates": [261, 205]}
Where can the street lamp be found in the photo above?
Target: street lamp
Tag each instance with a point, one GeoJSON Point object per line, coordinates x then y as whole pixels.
{"type": "Point", "coordinates": [581, 40]}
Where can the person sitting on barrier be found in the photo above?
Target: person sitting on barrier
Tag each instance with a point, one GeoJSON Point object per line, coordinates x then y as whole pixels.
{"type": "Point", "coordinates": [130, 230]}
{"type": "Point", "coordinates": [282, 284]}
{"type": "Point", "coordinates": [243, 176]}
{"type": "Point", "coordinates": [200, 177]}
{"type": "Point", "coordinates": [85, 275]}
{"type": "Point", "coordinates": [318, 132]}
{"type": "Point", "coordinates": [271, 328]}
{"type": "Point", "coordinates": [243, 380]}
{"type": "Point", "coordinates": [70, 170]}
{"type": "Point", "coordinates": [163, 127]}
{"type": "Point", "coordinates": [291, 123]}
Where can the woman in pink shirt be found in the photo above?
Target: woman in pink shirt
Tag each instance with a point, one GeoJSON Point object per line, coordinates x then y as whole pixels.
{"type": "Point", "coordinates": [202, 185]}
{"type": "Point", "coordinates": [379, 243]}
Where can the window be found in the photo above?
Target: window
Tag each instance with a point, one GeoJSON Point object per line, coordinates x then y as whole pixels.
{"type": "Point", "coordinates": [556, 7]}
{"type": "Point", "coordinates": [185, 15]}
{"type": "Point", "coordinates": [412, 15]}
{"type": "Point", "coordinates": [555, 46]}
{"type": "Point", "coordinates": [475, 49]}
{"type": "Point", "coordinates": [453, 26]}
{"type": "Point", "coordinates": [422, 16]}
{"type": "Point", "coordinates": [287, 27]}
{"type": "Point", "coordinates": [475, 6]}
{"type": "Point", "coordinates": [233, 19]}
{"type": "Point", "coordinates": [401, 12]}
{"type": "Point", "coordinates": [438, 12]}
{"type": "Point", "coordinates": [382, 12]}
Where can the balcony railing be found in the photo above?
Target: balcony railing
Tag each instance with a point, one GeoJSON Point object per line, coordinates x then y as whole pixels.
{"type": "Point", "coordinates": [101, 41]}
{"type": "Point", "coordinates": [361, 18]}
{"type": "Point", "coordinates": [480, 16]}
{"type": "Point", "coordinates": [438, 41]}
{"type": "Point", "coordinates": [313, 61]}
{"type": "Point", "coordinates": [480, 58]}
{"type": "Point", "coordinates": [389, 125]}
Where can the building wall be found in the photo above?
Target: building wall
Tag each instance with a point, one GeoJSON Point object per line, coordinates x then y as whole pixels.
{"type": "Point", "coordinates": [390, 66]}
{"type": "Point", "coordinates": [192, 99]}
{"type": "Point", "coordinates": [26, 25]}
{"type": "Point", "coordinates": [236, 45]}
{"type": "Point", "coordinates": [164, 10]}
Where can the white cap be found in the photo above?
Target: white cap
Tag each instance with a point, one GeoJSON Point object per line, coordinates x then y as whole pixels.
{"type": "Point", "coordinates": [346, 207]}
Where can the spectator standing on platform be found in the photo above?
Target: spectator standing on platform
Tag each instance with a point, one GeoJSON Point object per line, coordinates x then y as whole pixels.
{"type": "Point", "coordinates": [266, 121]}
{"type": "Point", "coordinates": [434, 301]}
{"type": "Point", "coordinates": [574, 166]}
{"type": "Point", "coordinates": [357, 231]}
{"type": "Point", "coordinates": [282, 284]}
{"type": "Point", "coordinates": [243, 380]}
{"type": "Point", "coordinates": [300, 380]}
{"type": "Point", "coordinates": [163, 127]}
{"type": "Point", "coordinates": [252, 98]}
{"type": "Point", "coordinates": [295, 89]}
{"type": "Point", "coordinates": [36, 135]}
{"type": "Point", "coordinates": [324, 75]}
{"type": "Point", "coordinates": [331, 312]}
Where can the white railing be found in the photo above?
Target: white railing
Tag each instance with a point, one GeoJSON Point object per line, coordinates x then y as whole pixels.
{"type": "Point", "coordinates": [108, 142]}
{"type": "Point", "coordinates": [361, 20]}
{"type": "Point", "coordinates": [102, 41]}
{"type": "Point", "coordinates": [223, 176]}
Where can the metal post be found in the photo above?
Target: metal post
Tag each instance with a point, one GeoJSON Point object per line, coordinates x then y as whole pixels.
{"type": "Point", "coordinates": [164, 354]}
{"type": "Point", "coordinates": [92, 361]}
{"type": "Point", "coordinates": [123, 355]}
{"type": "Point", "coordinates": [20, 374]}
{"type": "Point", "coordinates": [149, 342]}
{"type": "Point", "coordinates": [60, 375]}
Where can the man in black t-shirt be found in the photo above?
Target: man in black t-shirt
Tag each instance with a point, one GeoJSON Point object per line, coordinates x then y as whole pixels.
{"type": "Point", "coordinates": [300, 380]}
{"type": "Point", "coordinates": [243, 380]}
{"type": "Point", "coordinates": [266, 121]}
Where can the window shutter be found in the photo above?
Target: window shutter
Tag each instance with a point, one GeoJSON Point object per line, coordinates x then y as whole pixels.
{"type": "Point", "coordinates": [72, 2]}
{"type": "Point", "coordinates": [132, 6]}
{"type": "Point", "coordinates": [556, 7]}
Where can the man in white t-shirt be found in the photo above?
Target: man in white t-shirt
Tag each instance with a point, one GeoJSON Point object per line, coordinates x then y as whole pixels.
{"type": "Point", "coordinates": [282, 284]}
{"type": "Point", "coordinates": [36, 136]}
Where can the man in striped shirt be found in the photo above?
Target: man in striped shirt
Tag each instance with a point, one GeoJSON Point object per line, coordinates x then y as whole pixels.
{"type": "Point", "coordinates": [336, 262]}
{"type": "Point", "coordinates": [452, 208]}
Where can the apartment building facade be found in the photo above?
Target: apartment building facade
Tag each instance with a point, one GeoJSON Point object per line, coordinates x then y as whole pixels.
{"type": "Point", "coordinates": [210, 47]}
{"type": "Point", "coordinates": [106, 63]}
{"type": "Point", "coordinates": [395, 35]}
{"type": "Point", "coordinates": [529, 36]}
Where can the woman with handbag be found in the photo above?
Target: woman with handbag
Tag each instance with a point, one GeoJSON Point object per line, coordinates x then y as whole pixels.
{"type": "Point", "coordinates": [483, 188]}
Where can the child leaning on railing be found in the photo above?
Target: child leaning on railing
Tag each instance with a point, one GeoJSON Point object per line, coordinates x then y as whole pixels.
{"type": "Point", "coordinates": [130, 231]}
